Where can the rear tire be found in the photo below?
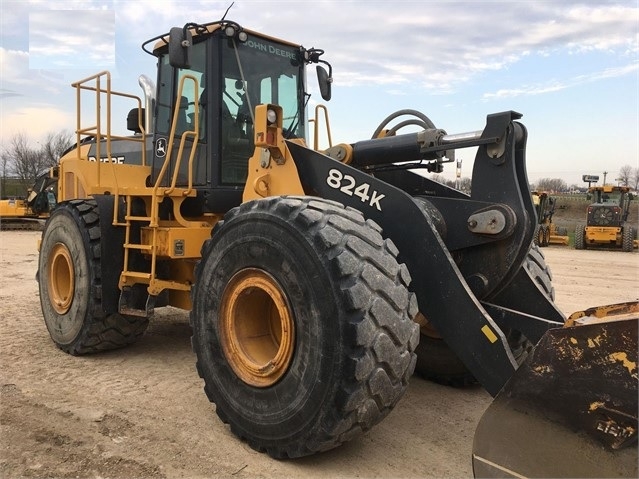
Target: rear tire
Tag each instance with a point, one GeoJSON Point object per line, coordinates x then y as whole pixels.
{"type": "Point", "coordinates": [438, 363]}
{"type": "Point", "coordinates": [546, 231]}
{"type": "Point", "coordinates": [302, 324]}
{"type": "Point", "coordinates": [580, 234]}
{"type": "Point", "coordinates": [541, 236]}
{"type": "Point", "coordinates": [627, 239]}
{"type": "Point", "coordinates": [69, 277]}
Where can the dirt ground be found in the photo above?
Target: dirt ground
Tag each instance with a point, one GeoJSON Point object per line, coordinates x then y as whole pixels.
{"type": "Point", "coordinates": [141, 411]}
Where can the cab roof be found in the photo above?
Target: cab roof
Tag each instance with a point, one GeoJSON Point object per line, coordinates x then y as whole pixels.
{"type": "Point", "coordinates": [161, 41]}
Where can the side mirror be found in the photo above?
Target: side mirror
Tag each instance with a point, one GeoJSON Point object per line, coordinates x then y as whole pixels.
{"type": "Point", "coordinates": [324, 80]}
{"type": "Point", "coordinates": [180, 44]}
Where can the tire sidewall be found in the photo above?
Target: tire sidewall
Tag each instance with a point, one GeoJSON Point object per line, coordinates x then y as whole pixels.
{"type": "Point", "coordinates": [62, 227]}
{"type": "Point", "coordinates": [315, 368]}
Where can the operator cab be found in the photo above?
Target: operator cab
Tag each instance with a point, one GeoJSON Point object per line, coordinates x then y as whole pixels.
{"type": "Point", "coordinates": [210, 79]}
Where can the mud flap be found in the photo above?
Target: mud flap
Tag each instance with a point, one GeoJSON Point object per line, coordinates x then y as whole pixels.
{"type": "Point", "coordinates": [570, 410]}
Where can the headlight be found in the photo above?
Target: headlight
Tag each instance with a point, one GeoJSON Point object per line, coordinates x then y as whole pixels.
{"type": "Point", "coordinates": [271, 117]}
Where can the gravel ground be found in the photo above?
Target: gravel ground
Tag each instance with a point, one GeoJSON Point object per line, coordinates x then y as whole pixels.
{"type": "Point", "coordinates": [141, 411]}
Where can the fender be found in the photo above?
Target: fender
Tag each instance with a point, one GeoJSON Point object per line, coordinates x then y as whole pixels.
{"type": "Point", "coordinates": [444, 291]}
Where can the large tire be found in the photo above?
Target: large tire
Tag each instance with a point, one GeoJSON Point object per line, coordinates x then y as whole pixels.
{"type": "Point", "coordinates": [546, 230]}
{"type": "Point", "coordinates": [538, 236]}
{"type": "Point", "coordinates": [627, 239]}
{"type": "Point", "coordinates": [438, 363]}
{"type": "Point", "coordinates": [302, 324]}
{"type": "Point", "coordinates": [542, 236]}
{"type": "Point", "coordinates": [69, 277]}
{"type": "Point", "coordinates": [580, 237]}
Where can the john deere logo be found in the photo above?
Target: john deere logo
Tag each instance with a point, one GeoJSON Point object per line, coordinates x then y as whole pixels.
{"type": "Point", "coordinates": [160, 147]}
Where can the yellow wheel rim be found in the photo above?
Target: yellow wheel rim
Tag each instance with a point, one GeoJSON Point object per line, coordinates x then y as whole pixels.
{"type": "Point", "coordinates": [60, 279]}
{"type": "Point", "coordinates": [256, 328]}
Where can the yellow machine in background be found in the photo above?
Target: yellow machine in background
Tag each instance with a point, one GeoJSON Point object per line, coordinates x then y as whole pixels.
{"type": "Point", "coordinates": [607, 220]}
{"type": "Point", "coordinates": [30, 213]}
{"type": "Point", "coordinates": [547, 232]}
{"type": "Point", "coordinates": [308, 275]}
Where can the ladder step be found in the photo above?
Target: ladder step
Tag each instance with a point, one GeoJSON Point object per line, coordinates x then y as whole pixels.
{"type": "Point", "coordinates": [124, 306]}
{"type": "Point", "coordinates": [136, 275]}
{"type": "Point", "coordinates": [141, 247]}
{"type": "Point", "coordinates": [137, 218]}
{"type": "Point", "coordinates": [176, 285]}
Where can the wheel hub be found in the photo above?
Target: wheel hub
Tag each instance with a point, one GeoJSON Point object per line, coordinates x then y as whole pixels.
{"type": "Point", "coordinates": [256, 327]}
{"type": "Point", "coordinates": [61, 280]}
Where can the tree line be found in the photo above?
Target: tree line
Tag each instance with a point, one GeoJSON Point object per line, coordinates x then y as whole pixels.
{"type": "Point", "coordinates": [23, 159]}
{"type": "Point", "coordinates": [627, 176]}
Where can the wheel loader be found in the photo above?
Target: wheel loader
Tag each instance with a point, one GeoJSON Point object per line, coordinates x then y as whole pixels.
{"type": "Point", "coordinates": [316, 282]}
{"type": "Point", "coordinates": [547, 232]}
{"type": "Point", "coordinates": [29, 213]}
{"type": "Point", "coordinates": [607, 220]}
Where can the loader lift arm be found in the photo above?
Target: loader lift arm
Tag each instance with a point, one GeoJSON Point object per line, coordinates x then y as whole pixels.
{"type": "Point", "coordinates": [470, 297]}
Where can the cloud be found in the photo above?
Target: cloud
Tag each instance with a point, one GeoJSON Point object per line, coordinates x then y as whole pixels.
{"type": "Point", "coordinates": [14, 65]}
{"type": "Point", "coordinates": [439, 45]}
{"type": "Point", "coordinates": [555, 86]}
{"type": "Point", "coordinates": [85, 37]}
{"type": "Point", "coordinates": [8, 93]}
{"type": "Point", "coordinates": [35, 121]}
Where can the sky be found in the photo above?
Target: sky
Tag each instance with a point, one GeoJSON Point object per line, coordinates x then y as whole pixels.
{"type": "Point", "coordinates": [570, 67]}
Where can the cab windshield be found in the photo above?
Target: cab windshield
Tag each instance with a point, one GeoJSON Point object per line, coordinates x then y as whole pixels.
{"type": "Point", "coordinates": [609, 197]}
{"type": "Point", "coordinates": [232, 78]}
{"type": "Point", "coordinates": [260, 71]}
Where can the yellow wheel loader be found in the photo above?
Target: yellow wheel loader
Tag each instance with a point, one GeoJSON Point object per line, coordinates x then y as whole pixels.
{"type": "Point", "coordinates": [547, 232]}
{"type": "Point", "coordinates": [310, 276]}
{"type": "Point", "coordinates": [607, 220]}
{"type": "Point", "coordinates": [29, 213]}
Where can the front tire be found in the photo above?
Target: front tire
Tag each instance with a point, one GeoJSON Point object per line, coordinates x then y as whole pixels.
{"type": "Point", "coordinates": [546, 229]}
{"type": "Point", "coordinates": [580, 237]}
{"type": "Point", "coordinates": [627, 239]}
{"type": "Point", "coordinates": [437, 362]}
{"type": "Point", "coordinates": [302, 324]}
{"type": "Point", "coordinates": [69, 277]}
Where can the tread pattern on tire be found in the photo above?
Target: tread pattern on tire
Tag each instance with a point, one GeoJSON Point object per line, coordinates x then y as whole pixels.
{"type": "Point", "coordinates": [101, 332]}
{"type": "Point", "coordinates": [627, 239]}
{"type": "Point", "coordinates": [438, 363]}
{"type": "Point", "coordinates": [380, 336]}
{"type": "Point", "coordinates": [580, 240]}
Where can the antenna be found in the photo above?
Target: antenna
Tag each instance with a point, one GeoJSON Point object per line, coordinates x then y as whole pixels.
{"type": "Point", "coordinates": [227, 11]}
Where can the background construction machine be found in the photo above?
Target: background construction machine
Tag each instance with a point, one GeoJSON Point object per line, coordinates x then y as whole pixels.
{"type": "Point", "coordinates": [547, 232]}
{"type": "Point", "coordinates": [607, 220]}
{"type": "Point", "coordinates": [29, 212]}
{"type": "Point", "coordinates": [303, 270]}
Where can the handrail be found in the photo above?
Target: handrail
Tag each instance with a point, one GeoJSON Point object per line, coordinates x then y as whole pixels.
{"type": "Point", "coordinates": [195, 133]}
{"type": "Point", "coordinates": [95, 130]}
{"type": "Point", "coordinates": [315, 122]}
